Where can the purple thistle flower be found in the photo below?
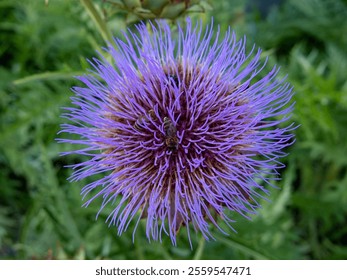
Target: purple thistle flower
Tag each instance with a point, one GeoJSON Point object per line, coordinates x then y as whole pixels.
{"type": "Point", "coordinates": [184, 129]}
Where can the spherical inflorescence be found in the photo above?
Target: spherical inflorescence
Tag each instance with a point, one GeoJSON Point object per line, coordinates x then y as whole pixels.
{"type": "Point", "coordinates": [182, 127]}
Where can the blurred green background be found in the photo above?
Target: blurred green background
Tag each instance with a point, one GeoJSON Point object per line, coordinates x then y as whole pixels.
{"type": "Point", "coordinates": [43, 44]}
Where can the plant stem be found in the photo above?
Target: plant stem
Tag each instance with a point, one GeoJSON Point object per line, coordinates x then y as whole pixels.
{"type": "Point", "coordinates": [200, 249]}
{"type": "Point", "coordinates": [98, 20]}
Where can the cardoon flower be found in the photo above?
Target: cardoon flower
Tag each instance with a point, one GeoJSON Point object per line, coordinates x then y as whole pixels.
{"type": "Point", "coordinates": [182, 127]}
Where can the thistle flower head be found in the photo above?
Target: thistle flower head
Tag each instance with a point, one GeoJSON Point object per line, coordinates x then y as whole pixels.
{"type": "Point", "coordinates": [182, 127]}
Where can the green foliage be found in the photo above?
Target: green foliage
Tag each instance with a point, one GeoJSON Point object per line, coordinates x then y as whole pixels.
{"type": "Point", "coordinates": [44, 46]}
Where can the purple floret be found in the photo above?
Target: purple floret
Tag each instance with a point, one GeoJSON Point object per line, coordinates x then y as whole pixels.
{"type": "Point", "coordinates": [182, 128]}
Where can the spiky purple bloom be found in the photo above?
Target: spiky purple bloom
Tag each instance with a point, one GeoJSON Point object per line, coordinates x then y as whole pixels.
{"type": "Point", "coordinates": [184, 129]}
